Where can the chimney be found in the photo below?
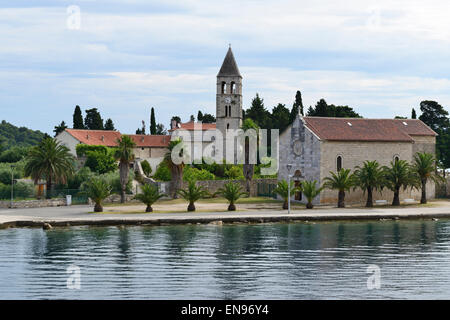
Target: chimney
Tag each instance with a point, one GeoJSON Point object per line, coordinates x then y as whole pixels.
{"type": "Point", "coordinates": [103, 138]}
{"type": "Point", "coordinates": [142, 139]}
{"type": "Point", "coordinates": [87, 137]}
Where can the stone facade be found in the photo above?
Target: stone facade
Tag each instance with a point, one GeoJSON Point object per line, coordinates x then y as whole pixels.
{"type": "Point", "coordinates": [313, 158]}
{"type": "Point", "coordinates": [306, 161]}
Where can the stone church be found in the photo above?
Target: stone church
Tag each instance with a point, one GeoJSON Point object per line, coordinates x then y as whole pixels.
{"type": "Point", "coordinates": [314, 146]}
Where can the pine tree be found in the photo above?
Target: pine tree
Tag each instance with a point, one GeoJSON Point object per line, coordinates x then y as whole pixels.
{"type": "Point", "coordinates": [258, 113]}
{"type": "Point", "coordinates": [109, 125]}
{"type": "Point", "coordinates": [413, 114]}
{"type": "Point", "coordinates": [78, 118]}
{"type": "Point", "coordinates": [93, 120]}
{"type": "Point", "coordinates": [152, 122]}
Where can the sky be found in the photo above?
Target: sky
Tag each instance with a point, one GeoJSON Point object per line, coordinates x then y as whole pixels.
{"type": "Point", "coordinates": [126, 56]}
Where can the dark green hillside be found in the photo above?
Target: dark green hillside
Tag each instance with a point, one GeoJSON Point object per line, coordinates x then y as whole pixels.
{"type": "Point", "coordinates": [12, 136]}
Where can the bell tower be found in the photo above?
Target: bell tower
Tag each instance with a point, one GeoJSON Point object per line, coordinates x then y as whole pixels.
{"type": "Point", "coordinates": [229, 95]}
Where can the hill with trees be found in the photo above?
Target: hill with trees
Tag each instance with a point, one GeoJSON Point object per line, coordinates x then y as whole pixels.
{"type": "Point", "coordinates": [12, 136]}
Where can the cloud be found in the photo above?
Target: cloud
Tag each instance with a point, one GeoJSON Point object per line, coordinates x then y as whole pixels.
{"type": "Point", "coordinates": [377, 56]}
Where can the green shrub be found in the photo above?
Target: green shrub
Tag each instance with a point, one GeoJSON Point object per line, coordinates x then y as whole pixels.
{"type": "Point", "coordinates": [100, 162]}
{"type": "Point", "coordinates": [234, 173]}
{"type": "Point", "coordinates": [82, 175]}
{"type": "Point", "coordinates": [82, 149]}
{"type": "Point", "coordinates": [113, 179]}
{"type": "Point", "coordinates": [191, 173]}
{"type": "Point", "coordinates": [146, 168]}
{"type": "Point", "coordinates": [5, 175]}
{"type": "Point", "coordinates": [163, 172]}
{"type": "Point", "coordinates": [14, 154]}
{"type": "Point", "coordinates": [21, 190]}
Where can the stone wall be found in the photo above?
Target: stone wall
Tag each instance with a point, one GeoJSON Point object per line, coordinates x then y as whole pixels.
{"type": "Point", "coordinates": [214, 185]}
{"type": "Point", "coordinates": [448, 186]}
{"type": "Point", "coordinates": [34, 203]}
{"type": "Point", "coordinates": [355, 153]}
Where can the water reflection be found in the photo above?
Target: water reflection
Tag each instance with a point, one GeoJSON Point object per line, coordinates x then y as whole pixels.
{"type": "Point", "coordinates": [267, 261]}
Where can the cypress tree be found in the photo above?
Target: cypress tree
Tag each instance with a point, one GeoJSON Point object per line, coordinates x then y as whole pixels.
{"type": "Point", "coordinates": [152, 122]}
{"type": "Point", "coordinates": [199, 116]}
{"type": "Point", "coordinates": [413, 114]}
{"type": "Point", "coordinates": [78, 118]}
{"type": "Point", "coordinates": [109, 125]}
{"type": "Point", "coordinates": [297, 107]}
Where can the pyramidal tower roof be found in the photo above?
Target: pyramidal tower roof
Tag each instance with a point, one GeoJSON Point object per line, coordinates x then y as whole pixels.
{"type": "Point", "coordinates": [229, 66]}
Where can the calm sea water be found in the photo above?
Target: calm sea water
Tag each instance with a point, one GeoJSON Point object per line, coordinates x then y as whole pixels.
{"type": "Point", "coordinates": [269, 261]}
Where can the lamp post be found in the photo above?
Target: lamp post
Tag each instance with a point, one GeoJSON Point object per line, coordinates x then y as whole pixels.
{"type": "Point", "coordinates": [289, 167]}
{"type": "Point", "coordinates": [12, 184]}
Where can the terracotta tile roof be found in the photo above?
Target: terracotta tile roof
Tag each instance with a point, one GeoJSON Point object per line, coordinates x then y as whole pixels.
{"type": "Point", "coordinates": [190, 126]}
{"type": "Point", "coordinates": [357, 129]}
{"type": "Point", "coordinates": [109, 138]}
{"type": "Point", "coordinates": [96, 137]}
{"type": "Point", "coordinates": [150, 140]}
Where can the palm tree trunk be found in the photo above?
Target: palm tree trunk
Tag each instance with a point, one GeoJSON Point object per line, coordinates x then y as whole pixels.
{"type": "Point", "coordinates": [369, 202]}
{"type": "Point", "coordinates": [149, 209]}
{"type": "Point", "coordinates": [49, 188]}
{"type": "Point", "coordinates": [396, 200]}
{"type": "Point", "coordinates": [124, 171]}
{"type": "Point", "coordinates": [341, 199]}
{"type": "Point", "coordinates": [98, 207]}
{"type": "Point", "coordinates": [285, 204]}
{"type": "Point", "coordinates": [177, 180]}
{"type": "Point", "coordinates": [191, 206]}
{"type": "Point", "coordinates": [248, 174]}
{"type": "Point", "coordinates": [423, 199]}
{"type": "Point", "coordinates": [231, 207]}
{"type": "Point", "coordinates": [309, 205]}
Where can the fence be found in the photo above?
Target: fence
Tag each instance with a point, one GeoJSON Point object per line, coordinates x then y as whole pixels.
{"type": "Point", "coordinates": [265, 189]}
{"type": "Point", "coordinates": [78, 196]}
{"type": "Point", "coordinates": [29, 192]}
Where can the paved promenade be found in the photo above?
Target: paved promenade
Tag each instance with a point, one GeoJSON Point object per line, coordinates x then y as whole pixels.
{"type": "Point", "coordinates": [80, 215]}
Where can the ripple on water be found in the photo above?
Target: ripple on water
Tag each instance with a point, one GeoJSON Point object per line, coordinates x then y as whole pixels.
{"type": "Point", "coordinates": [270, 261]}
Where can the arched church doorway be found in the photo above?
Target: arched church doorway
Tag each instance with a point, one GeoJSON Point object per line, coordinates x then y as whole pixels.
{"type": "Point", "coordinates": [297, 183]}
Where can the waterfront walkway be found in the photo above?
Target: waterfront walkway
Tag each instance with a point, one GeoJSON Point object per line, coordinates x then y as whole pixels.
{"type": "Point", "coordinates": [82, 215]}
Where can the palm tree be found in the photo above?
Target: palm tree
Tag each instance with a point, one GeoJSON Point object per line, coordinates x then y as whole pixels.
{"type": "Point", "coordinates": [192, 193]}
{"type": "Point", "coordinates": [232, 192]}
{"type": "Point", "coordinates": [248, 168]}
{"type": "Point", "coordinates": [176, 167]}
{"type": "Point", "coordinates": [398, 175]}
{"type": "Point", "coordinates": [310, 191]}
{"type": "Point", "coordinates": [341, 181]}
{"type": "Point", "coordinates": [124, 153]}
{"type": "Point", "coordinates": [369, 177]}
{"type": "Point", "coordinates": [98, 190]}
{"type": "Point", "coordinates": [51, 161]}
{"type": "Point", "coordinates": [282, 190]}
{"type": "Point", "coordinates": [424, 168]}
{"type": "Point", "coordinates": [150, 194]}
